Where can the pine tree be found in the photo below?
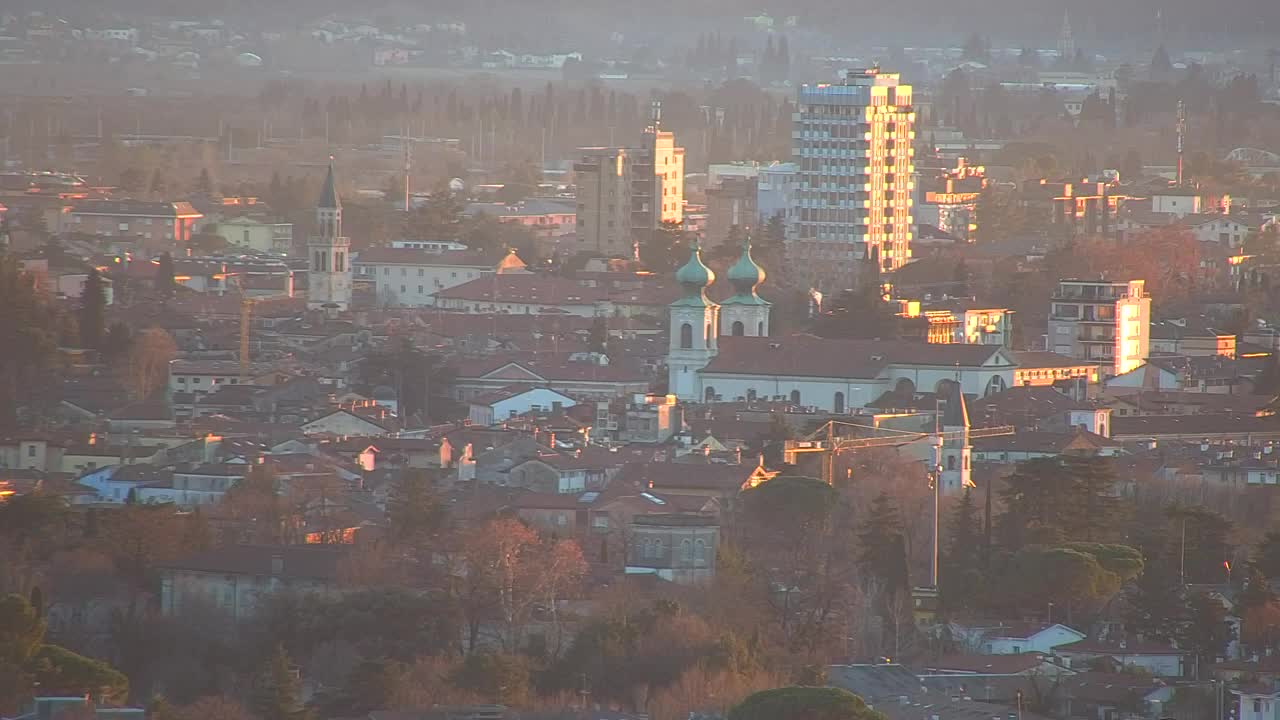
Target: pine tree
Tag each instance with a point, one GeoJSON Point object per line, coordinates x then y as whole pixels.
{"type": "Point", "coordinates": [204, 183]}
{"type": "Point", "coordinates": [1160, 63]}
{"type": "Point", "coordinates": [598, 340]}
{"type": "Point", "coordinates": [1256, 592]}
{"type": "Point", "coordinates": [93, 311]}
{"type": "Point", "coordinates": [164, 280]}
{"type": "Point", "coordinates": [883, 544]}
{"type": "Point", "coordinates": [1156, 604]}
{"type": "Point", "coordinates": [277, 692]}
{"type": "Point", "coordinates": [961, 578]}
{"type": "Point", "coordinates": [414, 510]}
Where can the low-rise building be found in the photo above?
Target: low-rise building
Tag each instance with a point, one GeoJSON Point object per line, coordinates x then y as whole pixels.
{"type": "Point", "coordinates": [237, 579]}
{"type": "Point", "coordinates": [494, 407]}
{"type": "Point", "coordinates": [677, 547]}
{"type": "Point", "coordinates": [257, 234]}
{"type": "Point", "coordinates": [415, 277]}
{"type": "Point", "coordinates": [172, 222]}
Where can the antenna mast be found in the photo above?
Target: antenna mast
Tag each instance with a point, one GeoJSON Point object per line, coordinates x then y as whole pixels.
{"type": "Point", "coordinates": [1182, 132]}
{"type": "Point", "coordinates": [408, 161]}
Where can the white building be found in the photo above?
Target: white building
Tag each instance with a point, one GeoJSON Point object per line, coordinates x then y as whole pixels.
{"type": "Point", "coordinates": [1019, 638]}
{"type": "Point", "coordinates": [202, 376]}
{"type": "Point", "coordinates": [411, 277]}
{"type": "Point", "coordinates": [329, 280]}
{"type": "Point", "coordinates": [255, 234]}
{"type": "Point", "coordinates": [492, 408]}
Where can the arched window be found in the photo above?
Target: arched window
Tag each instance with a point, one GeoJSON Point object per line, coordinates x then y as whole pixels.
{"type": "Point", "coordinates": [951, 463]}
{"type": "Point", "coordinates": [760, 329]}
{"type": "Point", "coordinates": [657, 548]}
{"type": "Point", "coordinates": [700, 551]}
{"type": "Point", "coordinates": [709, 394]}
{"type": "Point", "coordinates": [686, 336]}
{"type": "Point", "coordinates": [795, 397]}
{"type": "Point", "coordinates": [738, 329]}
{"type": "Point", "coordinates": [838, 403]}
{"type": "Point", "coordinates": [686, 550]}
{"type": "Point", "coordinates": [995, 385]}
{"type": "Point", "coordinates": [707, 337]}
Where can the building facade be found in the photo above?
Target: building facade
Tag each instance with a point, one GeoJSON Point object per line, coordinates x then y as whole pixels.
{"type": "Point", "coordinates": [159, 222]}
{"type": "Point", "coordinates": [408, 277]}
{"type": "Point", "coordinates": [625, 192]}
{"type": "Point", "coordinates": [853, 143]}
{"type": "Point", "coordinates": [1101, 321]}
{"type": "Point", "coordinates": [329, 279]}
{"type": "Point", "coordinates": [255, 234]}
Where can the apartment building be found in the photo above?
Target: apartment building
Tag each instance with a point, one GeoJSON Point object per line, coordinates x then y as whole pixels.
{"type": "Point", "coordinates": [625, 192]}
{"type": "Point", "coordinates": [155, 221]}
{"type": "Point", "coordinates": [1102, 321]}
{"type": "Point", "coordinates": [853, 143]}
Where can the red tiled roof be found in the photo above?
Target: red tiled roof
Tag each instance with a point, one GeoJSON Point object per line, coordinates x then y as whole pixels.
{"type": "Point", "coordinates": [812, 356]}
{"type": "Point", "coordinates": [991, 664]}
{"type": "Point", "coordinates": [426, 258]}
{"type": "Point", "coordinates": [525, 288]}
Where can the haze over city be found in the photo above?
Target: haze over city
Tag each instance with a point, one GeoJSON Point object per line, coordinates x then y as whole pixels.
{"type": "Point", "coordinates": [661, 361]}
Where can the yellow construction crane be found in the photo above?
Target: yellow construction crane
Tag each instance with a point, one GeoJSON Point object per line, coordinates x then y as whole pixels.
{"type": "Point", "coordinates": [827, 441]}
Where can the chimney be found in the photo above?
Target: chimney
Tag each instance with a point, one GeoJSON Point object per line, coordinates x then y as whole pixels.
{"type": "Point", "coordinates": [277, 563]}
{"type": "Point", "coordinates": [446, 453]}
{"type": "Point", "coordinates": [93, 438]}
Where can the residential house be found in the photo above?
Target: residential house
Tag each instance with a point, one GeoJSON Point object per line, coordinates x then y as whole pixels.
{"type": "Point", "coordinates": [1102, 696]}
{"type": "Point", "coordinates": [1027, 663]}
{"type": "Point", "coordinates": [361, 421]}
{"type": "Point", "coordinates": [1050, 368]}
{"type": "Point", "coordinates": [1014, 638]}
{"type": "Point", "coordinates": [202, 376]}
{"type": "Point", "coordinates": [494, 407]}
{"type": "Point", "coordinates": [257, 234]}
{"type": "Point", "coordinates": [1256, 701]}
{"type": "Point", "coordinates": [579, 375]}
{"type": "Point", "coordinates": [32, 451]}
{"type": "Point", "coordinates": [1156, 659]}
{"type": "Point", "coordinates": [1031, 444]}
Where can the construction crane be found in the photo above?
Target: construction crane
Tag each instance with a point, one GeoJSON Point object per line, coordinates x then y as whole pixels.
{"type": "Point", "coordinates": [827, 442]}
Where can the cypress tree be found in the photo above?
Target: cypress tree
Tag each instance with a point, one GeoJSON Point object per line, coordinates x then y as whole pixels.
{"type": "Point", "coordinates": [93, 311]}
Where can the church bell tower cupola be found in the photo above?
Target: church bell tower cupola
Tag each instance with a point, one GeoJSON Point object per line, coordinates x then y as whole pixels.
{"type": "Point", "coordinates": [746, 313]}
{"type": "Point", "coordinates": [694, 327]}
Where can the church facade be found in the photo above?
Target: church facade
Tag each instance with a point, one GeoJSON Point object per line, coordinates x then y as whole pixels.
{"type": "Point", "coordinates": [723, 352]}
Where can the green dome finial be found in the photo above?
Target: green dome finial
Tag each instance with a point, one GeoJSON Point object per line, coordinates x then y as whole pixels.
{"type": "Point", "coordinates": [746, 275]}
{"type": "Point", "coordinates": [694, 275]}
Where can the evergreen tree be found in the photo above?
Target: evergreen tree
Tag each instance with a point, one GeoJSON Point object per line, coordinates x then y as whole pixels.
{"type": "Point", "coordinates": [1206, 632]}
{"type": "Point", "coordinates": [414, 510]}
{"type": "Point", "coordinates": [1092, 487]}
{"type": "Point", "coordinates": [598, 340]}
{"type": "Point", "coordinates": [204, 183]}
{"type": "Point", "coordinates": [883, 545]}
{"type": "Point", "coordinates": [1266, 554]}
{"type": "Point", "coordinates": [1156, 607]}
{"type": "Point", "coordinates": [1206, 542]}
{"type": "Point", "coordinates": [277, 692]}
{"type": "Point", "coordinates": [1161, 66]}
{"type": "Point", "coordinates": [165, 283]}
{"type": "Point", "coordinates": [1256, 592]}
{"type": "Point", "coordinates": [962, 577]}
{"type": "Point", "coordinates": [93, 311]}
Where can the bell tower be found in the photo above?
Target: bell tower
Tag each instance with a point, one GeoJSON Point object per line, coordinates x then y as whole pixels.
{"type": "Point", "coordinates": [694, 327]}
{"type": "Point", "coordinates": [329, 278]}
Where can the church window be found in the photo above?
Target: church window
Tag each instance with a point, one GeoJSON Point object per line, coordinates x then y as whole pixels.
{"type": "Point", "coordinates": [795, 397]}
{"type": "Point", "coordinates": [838, 403]}
{"type": "Point", "coordinates": [700, 551]}
{"type": "Point", "coordinates": [707, 336]}
{"type": "Point", "coordinates": [738, 329]}
{"type": "Point", "coordinates": [686, 550]}
{"type": "Point", "coordinates": [751, 395]}
{"type": "Point", "coordinates": [760, 329]}
{"type": "Point", "coordinates": [710, 394]}
{"type": "Point", "coordinates": [951, 463]}
{"type": "Point", "coordinates": [686, 336]}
